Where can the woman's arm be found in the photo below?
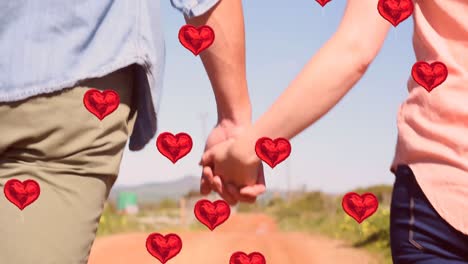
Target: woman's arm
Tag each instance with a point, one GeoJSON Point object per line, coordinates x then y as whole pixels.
{"type": "Point", "coordinates": [326, 78]}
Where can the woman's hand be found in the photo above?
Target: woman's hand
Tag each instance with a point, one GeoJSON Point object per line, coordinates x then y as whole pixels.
{"type": "Point", "coordinates": [224, 131]}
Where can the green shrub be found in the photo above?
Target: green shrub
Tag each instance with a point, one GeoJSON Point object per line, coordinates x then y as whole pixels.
{"type": "Point", "coordinates": [247, 208]}
{"type": "Point", "coordinates": [318, 212]}
{"type": "Point", "coordinates": [111, 222]}
{"type": "Point", "coordinates": [168, 204]}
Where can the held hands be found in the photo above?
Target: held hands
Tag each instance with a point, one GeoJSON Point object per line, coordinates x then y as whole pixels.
{"type": "Point", "coordinates": [230, 167]}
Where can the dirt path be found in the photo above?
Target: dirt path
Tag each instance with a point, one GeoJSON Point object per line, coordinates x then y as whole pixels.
{"type": "Point", "coordinates": [247, 233]}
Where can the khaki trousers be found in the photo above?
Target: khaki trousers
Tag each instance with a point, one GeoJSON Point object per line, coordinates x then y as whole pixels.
{"type": "Point", "coordinates": [54, 140]}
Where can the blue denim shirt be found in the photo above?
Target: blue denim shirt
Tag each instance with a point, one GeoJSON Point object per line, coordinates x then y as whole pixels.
{"type": "Point", "coordinates": [49, 45]}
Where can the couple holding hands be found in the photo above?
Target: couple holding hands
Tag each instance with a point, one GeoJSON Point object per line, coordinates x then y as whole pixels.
{"type": "Point", "coordinates": [52, 52]}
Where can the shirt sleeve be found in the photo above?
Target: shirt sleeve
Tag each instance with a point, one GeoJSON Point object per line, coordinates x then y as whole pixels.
{"type": "Point", "coordinates": [193, 8]}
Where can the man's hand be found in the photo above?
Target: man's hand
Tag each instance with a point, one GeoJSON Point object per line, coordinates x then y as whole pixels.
{"type": "Point", "coordinates": [236, 177]}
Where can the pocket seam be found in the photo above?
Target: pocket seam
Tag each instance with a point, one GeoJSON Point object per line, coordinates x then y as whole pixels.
{"type": "Point", "coordinates": [411, 224]}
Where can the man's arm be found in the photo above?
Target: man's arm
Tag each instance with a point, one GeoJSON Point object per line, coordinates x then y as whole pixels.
{"type": "Point", "coordinates": [224, 60]}
{"type": "Point", "coordinates": [224, 63]}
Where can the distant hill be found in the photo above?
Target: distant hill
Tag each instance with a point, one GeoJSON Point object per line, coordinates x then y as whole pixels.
{"type": "Point", "coordinates": [155, 192]}
{"type": "Point", "coordinates": [152, 192]}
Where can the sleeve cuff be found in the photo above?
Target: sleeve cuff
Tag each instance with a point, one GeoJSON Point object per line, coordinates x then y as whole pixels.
{"type": "Point", "coordinates": [193, 8]}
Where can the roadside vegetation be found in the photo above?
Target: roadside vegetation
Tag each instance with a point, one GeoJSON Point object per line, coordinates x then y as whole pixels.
{"type": "Point", "coordinates": [319, 213]}
{"type": "Point", "coordinates": [311, 212]}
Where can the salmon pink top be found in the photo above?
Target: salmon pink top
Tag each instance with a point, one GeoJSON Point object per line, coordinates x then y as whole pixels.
{"type": "Point", "coordinates": [433, 126]}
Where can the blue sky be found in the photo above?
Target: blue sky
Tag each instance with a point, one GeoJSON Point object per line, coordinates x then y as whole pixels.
{"type": "Point", "coordinates": [353, 145]}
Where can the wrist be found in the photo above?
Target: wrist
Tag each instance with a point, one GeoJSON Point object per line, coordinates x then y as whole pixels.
{"type": "Point", "coordinates": [233, 102]}
{"type": "Point", "coordinates": [244, 146]}
{"type": "Point", "coordinates": [240, 117]}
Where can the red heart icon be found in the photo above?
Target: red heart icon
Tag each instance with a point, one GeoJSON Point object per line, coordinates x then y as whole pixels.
{"type": "Point", "coordinates": [212, 214]}
{"type": "Point", "coordinates": [273, 152]}
{"type": "Point", "coordinates": [174, 147]}
{"type": "Point", "coordinates": [101, 104]}
{"type": "Point", "coordinates": [196, 39]}
{"type": "Point", "coordinates": [358, 206]}
{"type": "Point", "coordinates": [242, 258]}
{"type": "Point", "coordinates": [428, 75]}
{"type": "Point", "coordinates": [395, 11]}
{"type": "Point", "coordinates": [20, 193]}
{"type": "Point", "coordinates": [323, 2]}
{"type": "Point", "coordinates": [163, 247]}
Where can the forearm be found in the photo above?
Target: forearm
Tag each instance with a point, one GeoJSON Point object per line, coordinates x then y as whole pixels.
{"type": "Point", "coordinates": [319, 87]}
{"type": "Point", "coordinates": [224, 61]}
{"type": "Point", "coordinates": [329, 75]}
{"type": "Point", "coordinates": [326, 78]}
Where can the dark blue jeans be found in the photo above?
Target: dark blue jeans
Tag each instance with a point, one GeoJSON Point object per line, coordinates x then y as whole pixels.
{"type": "Point", "coordinates": [417, 233]}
